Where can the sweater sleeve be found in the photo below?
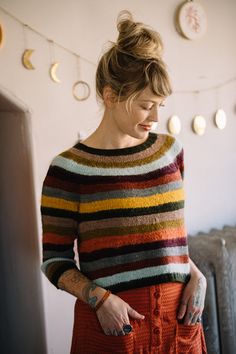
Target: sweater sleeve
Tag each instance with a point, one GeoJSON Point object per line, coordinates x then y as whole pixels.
{"type": "Point", "coordinates": [59, 222]}
{"type": "Point", "coordinates": [180, 161]}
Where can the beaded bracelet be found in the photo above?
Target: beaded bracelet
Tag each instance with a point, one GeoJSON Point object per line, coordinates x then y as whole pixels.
{"type": "Point", "coordinates": [105, 296]}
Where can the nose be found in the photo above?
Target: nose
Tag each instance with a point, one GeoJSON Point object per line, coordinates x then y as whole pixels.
{"type": "Point", "coordinates": [154, 116]}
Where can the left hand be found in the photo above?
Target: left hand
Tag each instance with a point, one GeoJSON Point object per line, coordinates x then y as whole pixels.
{"type": "Point", "coordinates": [193, 298]}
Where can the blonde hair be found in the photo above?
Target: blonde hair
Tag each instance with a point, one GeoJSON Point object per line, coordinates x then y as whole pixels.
{"type": "Point", "coordinates": [134, 62]}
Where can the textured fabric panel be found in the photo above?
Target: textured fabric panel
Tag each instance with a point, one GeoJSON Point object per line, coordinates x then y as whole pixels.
{"type": "Point", "coordinates": [158, 333]}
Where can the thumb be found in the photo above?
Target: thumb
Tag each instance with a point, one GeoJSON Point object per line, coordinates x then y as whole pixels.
{"type": "Point", "coordinates": [135, 314]}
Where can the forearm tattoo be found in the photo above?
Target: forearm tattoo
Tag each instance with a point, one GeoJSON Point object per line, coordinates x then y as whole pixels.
{"type": "Point", "coordinates": [198, 298]}
{"type": "Point", "coordinates": [69, 281]}
{"type": "Point", "coordinates": [85, 292]}
{"type": "Point", "coordinates": [72, 276]}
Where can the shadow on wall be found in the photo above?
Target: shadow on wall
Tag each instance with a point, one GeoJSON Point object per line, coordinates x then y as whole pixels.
{"type": "Point", "coordinates": [22, 319]}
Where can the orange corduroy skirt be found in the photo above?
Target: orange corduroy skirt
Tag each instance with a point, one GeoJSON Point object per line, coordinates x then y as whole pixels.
{"type": "Point", "coordinates": [159, 333]}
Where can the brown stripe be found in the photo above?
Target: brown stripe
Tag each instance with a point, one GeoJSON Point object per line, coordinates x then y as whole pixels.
{"type": "Point", "coordinates": [131, 221]}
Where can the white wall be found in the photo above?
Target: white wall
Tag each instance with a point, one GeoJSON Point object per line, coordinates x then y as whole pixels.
{"type": "Point", "coordinates": [84, 26]}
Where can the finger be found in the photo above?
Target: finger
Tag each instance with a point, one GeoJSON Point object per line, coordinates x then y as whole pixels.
{"type": "Point", "coordinates": [182, 309]}
{"type": "Point", "coordinates": [189, 317]}
{"type": "Point", "coordinates": [121, 333]}
{"type": "Point", "coordinates": [107, 332]}
{"type": "Point", "coordinates": [115, 332]}
{"type": "Point", "coordinates": [195, 318]}
{"type": "Point", "coordinates": [135, 314]}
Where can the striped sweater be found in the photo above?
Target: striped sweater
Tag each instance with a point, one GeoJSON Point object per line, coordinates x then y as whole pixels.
{"type": "Point", "coordinates": [124, 208]}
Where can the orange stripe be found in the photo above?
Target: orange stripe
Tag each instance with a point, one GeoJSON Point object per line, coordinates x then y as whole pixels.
{"type": "Point", "coordinates": [55, 239]}
{"type": "Point", "coordinates": [118, 241]}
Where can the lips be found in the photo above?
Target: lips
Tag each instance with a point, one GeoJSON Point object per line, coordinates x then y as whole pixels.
{"type": "Point", "coordinates": [147, 127]}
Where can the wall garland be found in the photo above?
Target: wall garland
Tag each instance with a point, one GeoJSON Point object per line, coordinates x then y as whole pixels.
{"type": "Point", "coordinates": [173, 124]}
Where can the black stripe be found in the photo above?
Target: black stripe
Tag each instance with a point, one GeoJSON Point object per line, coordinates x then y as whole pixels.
{"type": "Point", "coordinates": [116, 213]}
{"type": "Point", "coordinates": [59, 212]}
{"type": "Point", "coordinates": [117, 152]}
{"type": "Point", "coordinates": [113, 252]}
{"type": "Point", "coordinates": [139, 283]}
{"type": "Point", "coordinates": [57, 247]}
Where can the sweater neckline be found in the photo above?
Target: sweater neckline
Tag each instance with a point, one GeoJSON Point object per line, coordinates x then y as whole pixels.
{"type": "Point", "coordinates": [152, 137]}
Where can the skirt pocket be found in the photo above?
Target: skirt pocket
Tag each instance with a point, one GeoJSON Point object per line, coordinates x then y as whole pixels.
{"type": "Point", "coordinates": [100, 343]}
{"type": "Point", "coordinates": [189, 339]}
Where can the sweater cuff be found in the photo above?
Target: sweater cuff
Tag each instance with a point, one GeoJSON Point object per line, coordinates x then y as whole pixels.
{"type": "Point", "coordinates": [61, 269]}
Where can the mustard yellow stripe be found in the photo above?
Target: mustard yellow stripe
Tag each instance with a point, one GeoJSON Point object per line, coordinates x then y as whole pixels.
{"type": "Point", "coordinates": [133, 202]}
{"type": "Point", "coordinates": [49, 202]}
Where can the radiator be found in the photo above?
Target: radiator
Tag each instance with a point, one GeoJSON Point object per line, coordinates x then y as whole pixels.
{"type": "Point", "coordinates": [214, 253]}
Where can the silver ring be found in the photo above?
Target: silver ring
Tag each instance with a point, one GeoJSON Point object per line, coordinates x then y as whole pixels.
{"type": "Point", "coordinates": [127, 328]}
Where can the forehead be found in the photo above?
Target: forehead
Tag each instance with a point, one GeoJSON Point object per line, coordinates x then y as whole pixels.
{"type": "Point", "coordinates": [148, 96]}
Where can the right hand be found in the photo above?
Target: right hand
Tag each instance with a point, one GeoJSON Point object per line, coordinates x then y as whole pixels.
{"type": "Point", "coordinates": [114, 314]}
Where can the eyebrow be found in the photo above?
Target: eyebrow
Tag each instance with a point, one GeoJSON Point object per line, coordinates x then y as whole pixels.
{"type": "Point", "coordinates": [148, 100]}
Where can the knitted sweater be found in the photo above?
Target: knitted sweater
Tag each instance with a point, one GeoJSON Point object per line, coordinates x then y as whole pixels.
{"type": "Point", "coordinates": [125, 209]}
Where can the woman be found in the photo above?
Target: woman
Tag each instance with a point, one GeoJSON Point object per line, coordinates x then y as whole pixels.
{"type": "Point", "coordinates": [120, 195]}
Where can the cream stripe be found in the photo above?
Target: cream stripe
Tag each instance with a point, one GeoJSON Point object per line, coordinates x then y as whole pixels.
{"type": "Point", "coordinates": [143, 273]}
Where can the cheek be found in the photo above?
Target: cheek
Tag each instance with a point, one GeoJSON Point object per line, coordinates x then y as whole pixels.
{"type": "Point", "coordinates": [139, 115]}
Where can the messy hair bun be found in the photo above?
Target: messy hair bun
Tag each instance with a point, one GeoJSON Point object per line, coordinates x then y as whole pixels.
{"type": "Point", "coordinates": [134, 62]}
{"type": "Point", "coordinates": [137, 39]}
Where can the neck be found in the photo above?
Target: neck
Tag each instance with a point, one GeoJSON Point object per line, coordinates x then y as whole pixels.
{"type": "Point", "coordinates": [108, 136]}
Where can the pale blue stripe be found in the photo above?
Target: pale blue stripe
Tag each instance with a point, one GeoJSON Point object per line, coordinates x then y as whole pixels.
{"type": "Point", "coordinates": [45, 264]}
{"type": "Point", "coordinates": [142, 273]}
{"type": "Point", "coordinates": [107, 262]}
{"type": "Point", "coordinates": [72, 166]}
{"type": "Point", "coordinates": [59, 193]}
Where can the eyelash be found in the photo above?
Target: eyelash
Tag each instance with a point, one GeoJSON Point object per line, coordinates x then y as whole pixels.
{"type": "Point", "coordinates": [149, 109]}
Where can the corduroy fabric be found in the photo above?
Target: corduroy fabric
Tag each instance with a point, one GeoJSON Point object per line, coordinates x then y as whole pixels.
{"type": "Point", "coordinates": [158, 333]}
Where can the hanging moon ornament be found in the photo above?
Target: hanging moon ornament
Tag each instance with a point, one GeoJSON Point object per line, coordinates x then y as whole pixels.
{"type": "Point", "coordinates": [199, 125]}
{"type": "Point", "coordinates": [220, 119]}
{"type": "Point", "coordinates": [174, 125]}
{"type": "Point", "coordinates": [86, 88]}
{"type": "Point", "coordinates": [1, 36]}
{"type": "Point", "coordinates": [26, 59]}
{"type": "Point", "coordinates": [52, 72]}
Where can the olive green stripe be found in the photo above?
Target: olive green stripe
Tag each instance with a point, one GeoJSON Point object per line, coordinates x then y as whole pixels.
{"type": "Point", "coordinates": [118, 231]}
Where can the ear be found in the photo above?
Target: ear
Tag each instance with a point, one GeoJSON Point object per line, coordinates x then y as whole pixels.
{"type": "Point", "coordinates": [109, 97]}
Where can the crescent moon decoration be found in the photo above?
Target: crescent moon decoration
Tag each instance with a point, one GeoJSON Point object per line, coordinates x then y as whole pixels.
{"type": "Point", "coordinates": [199, 125]}
{"type": "Point", "coordinates": [174, 125]}
{"type": "Point", "coordinates": [52, 72]}
{"type": "Point", "coordinates": [86, 88]}
{"type": "Point", "coordinates": [26, 59]}
{"type": "Point", "coordinates": [1, 36]}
